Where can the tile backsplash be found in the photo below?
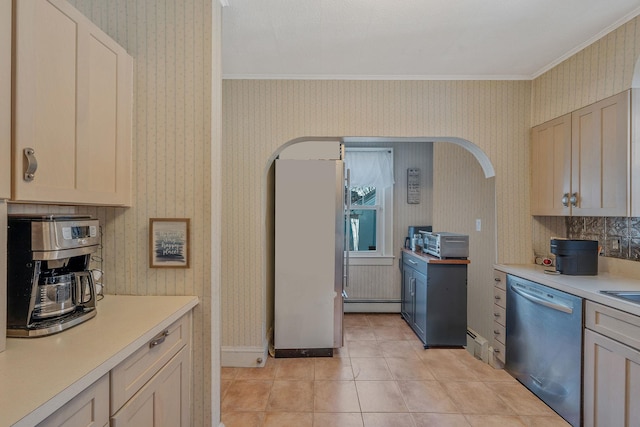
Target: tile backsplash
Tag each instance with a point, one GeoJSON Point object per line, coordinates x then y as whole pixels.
{"type": "Point", "coordinates": [618, 236]}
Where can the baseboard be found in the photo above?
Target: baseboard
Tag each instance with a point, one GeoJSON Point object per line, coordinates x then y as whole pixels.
{"type": "Point", "coordinates": [243, 357]}
{"type": "Point", "coordinates": [371, 307]}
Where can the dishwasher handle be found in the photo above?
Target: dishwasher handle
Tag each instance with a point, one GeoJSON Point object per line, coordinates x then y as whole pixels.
{"type": "Point", "coordinates": [537, 300]}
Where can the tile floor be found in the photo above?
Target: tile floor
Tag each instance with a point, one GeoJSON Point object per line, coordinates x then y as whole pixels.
{"type": "Point", "coordinates": [383, 377]}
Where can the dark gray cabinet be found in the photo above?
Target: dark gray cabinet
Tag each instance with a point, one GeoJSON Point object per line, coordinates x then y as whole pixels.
{"type": "Point", "coordinates": [434, 299]}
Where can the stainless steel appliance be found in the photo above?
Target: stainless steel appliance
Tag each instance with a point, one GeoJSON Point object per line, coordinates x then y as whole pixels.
{"type": "Point", "coordinates": [544, 344]}
{"type": "Point", "coordinates": [446, 245]}
{"type": "Point", "coordinates": [49, 287]}
{"type": "Point", "coordinates": [575, 257]}
{"type": "Point", "coordinates": [309, 257]}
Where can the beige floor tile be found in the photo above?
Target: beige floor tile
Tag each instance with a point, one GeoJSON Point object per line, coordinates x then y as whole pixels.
{"type": "Point", "coordinates": [335, 368]}
{"type": "Point", "coordinates": [246, 395]}
{"type": "Point", "coordinates": [229, 373]}
{"type": "Point", "coordinates": [341, 352]}
{"type": "Point", "coordinates": [440, 420]}
{"type": "Point", "coordinates": [400, 349]}
{"type": "Point", "coordinates": [364, 349]}
{"type": "Point", "coordinates": [291, 396]}
{"type": "Point", "coordinates": [427, 396]}
{"type": "Point", "coordinates": [337, 420]}
{"type": "Point", "coordinates": [553, 421]}
{"type": "Point", "coordinates": [359, 333]}
{"type": "Point", "coordinates": [520, 399]}
{"type": "Point", "coordinates": [387, 319]}
{"type": "Point", "coordinates": [408, 369]}
{"type": "Point", "coordinates": [483, 371]}
{"type": "Point", "coordinates": [476, 398]}
{"type": "Point", "coordinates": [390, 333]}
{"type": "Point", "coordinates": [243, 419]}
{"type": "Point", "coordinates": [495, 421]}
{"type": "Point", "coordinates": [295, 369]}
{"type": "Point", "coordinates": [355, 319]}
{"type": "Point", "coordinates": [370, 368]}
{"type": "Point", "coordinates": [335, 396]}
{"type": "Point", "coordinates": [224, 386]}
{"type": "Point", "coordinates": [445, 366]}
{"type": "Point", "coordinates": [380, 396]}
{"type": "Point", "coordinates": [268, 372]}
{"type": "Point", "coordinates": [288, 419]}
{"type": "Point", "coordinates": [388, 420]}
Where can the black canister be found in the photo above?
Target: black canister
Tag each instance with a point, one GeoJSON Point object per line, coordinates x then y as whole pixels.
{"type": "Point", "coordinates": [576, 257]}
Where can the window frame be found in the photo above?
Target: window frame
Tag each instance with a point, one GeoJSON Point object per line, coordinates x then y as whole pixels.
{"type": "Point", "coordinates": [383, 255]}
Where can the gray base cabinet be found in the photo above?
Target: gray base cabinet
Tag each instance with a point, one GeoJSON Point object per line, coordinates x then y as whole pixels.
{"type": "Point", "coordinates": [434, 299]}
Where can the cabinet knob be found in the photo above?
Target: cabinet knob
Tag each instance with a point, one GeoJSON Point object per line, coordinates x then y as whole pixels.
{"type": "Point", "coordinates": [573, 199]}
{"type": "Point", "coordinates": [565, 200]}
{"type": "Point", "coordinates": [31, 164]}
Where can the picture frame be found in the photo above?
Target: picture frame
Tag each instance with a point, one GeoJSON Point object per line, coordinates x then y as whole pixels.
{"type": "Point", "coordinates": [169, 240]}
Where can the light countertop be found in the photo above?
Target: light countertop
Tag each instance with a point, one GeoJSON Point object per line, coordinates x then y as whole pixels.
{"type": "Point", "coordinates": [587, 287]}
{"type": "Point", "coordinates": [39, 375]}
{"type": "Point", "coordinates": [429, 259]}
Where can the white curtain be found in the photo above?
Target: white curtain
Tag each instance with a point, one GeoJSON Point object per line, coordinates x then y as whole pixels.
{"type": "Point", "coordinates": [370, 168]}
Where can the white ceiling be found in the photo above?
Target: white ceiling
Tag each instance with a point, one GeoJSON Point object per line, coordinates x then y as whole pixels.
{"type": "Point", "coordinates": [410, 39]}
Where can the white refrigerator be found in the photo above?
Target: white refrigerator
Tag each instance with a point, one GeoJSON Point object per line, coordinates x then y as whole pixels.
{"type": "Point", "coordinates": [309, 257]}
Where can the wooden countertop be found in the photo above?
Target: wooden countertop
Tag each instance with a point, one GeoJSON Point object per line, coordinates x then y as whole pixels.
{"type": "Point", "coordinates": [435, 260]}
{"type": "Point", "coordinates": [39, 375]}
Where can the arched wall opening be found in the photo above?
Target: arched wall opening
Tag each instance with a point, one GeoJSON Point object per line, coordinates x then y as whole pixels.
{"type": "Point", "coordinates": [468, 158]}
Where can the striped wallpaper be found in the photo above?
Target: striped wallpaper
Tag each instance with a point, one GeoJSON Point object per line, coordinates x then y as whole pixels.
{"type": "Point", "coordinates": [260, 116]}
{"type": "Point", "coordinates": [171, 43]}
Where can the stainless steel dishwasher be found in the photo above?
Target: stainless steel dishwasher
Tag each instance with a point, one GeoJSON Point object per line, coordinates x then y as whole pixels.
{"type": "Point", "coordinates": [544, 344]}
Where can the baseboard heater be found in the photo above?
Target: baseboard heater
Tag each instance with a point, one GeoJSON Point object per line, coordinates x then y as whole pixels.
{"type": "Point", "coordinates": [477, 345]}
{"type": "Point", "coordinates": [372, 306]}
{"type": "Point", "coordinates": [375, 301]}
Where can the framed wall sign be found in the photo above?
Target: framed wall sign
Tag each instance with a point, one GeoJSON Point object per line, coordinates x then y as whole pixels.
{"type": "Point", "coordinates": [413, 186]}
{"type": "Point", "coordinates": [169, 243]}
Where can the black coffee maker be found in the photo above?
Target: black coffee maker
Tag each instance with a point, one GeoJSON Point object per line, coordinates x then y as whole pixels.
{"type": "Point", "coordinates": [49, 286]}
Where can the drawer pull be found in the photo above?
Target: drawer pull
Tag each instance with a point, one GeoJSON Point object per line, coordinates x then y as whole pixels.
{"type": "Point", "coordinates": [159, 339]}
{"type": "Point", "coordinates": [496, 314]}
{"type": "Point", "coordinates": [412, 262]}
{"type": "Point", "coordinates": [496, 350]}
{"type": "Point", "coordinates": [496, 332]}
{"type": "Point", "coordinates": [497, 279]}
{"type": "Point", "coordinates": [497, 297]}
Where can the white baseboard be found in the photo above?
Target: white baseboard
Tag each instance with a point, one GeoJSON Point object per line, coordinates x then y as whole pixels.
{"type": "Point", "coordinates": [372, 307]}
{"type": "Point", "coordinates": [243, 357]}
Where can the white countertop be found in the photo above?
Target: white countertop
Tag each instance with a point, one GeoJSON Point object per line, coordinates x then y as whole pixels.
{"type": "Point", "coordinates": [587, 287]}
{"type": "Point", "coordinates": [39, 375]}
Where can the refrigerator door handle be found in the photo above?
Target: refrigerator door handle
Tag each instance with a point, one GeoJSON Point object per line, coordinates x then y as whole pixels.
{"type": "Point", "coordinates": [347, 234]}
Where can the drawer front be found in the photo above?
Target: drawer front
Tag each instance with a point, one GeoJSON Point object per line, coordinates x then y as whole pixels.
{"type": "Point", "coordinates": [90, 407]}
{"type": "Point", "coordinates": [498, 332]}
{"type": "Point", "coordinates": [500, 297]}
{"type": "Point", "coordinates": [414, 261]}
{"type": "Point", "coordinates": [133, 373]}
{"type": "Point", "coordinates": [500, 279]}
{"type": "Point", "coordinates": [498, 351]}
{"type": "Point", "coordinates": [499, 314]}
{"type": "Point", "coordinates": [613, 323]}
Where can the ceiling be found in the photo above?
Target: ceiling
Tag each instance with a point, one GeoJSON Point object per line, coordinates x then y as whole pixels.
{"type": "Point", "coordinates": [410, 39]}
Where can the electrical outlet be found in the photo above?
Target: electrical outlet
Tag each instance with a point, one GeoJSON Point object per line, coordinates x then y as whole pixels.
{"type": "Point", "coordinates": [615, 244]}
{"type": "Point", "coordinates": [478, 224]}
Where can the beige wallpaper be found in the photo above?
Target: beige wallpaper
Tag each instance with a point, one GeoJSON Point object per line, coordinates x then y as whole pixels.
{"type": "Point", "coordinates": [260, 116]}
{"type": "Point", "coordinates": [171, 43]}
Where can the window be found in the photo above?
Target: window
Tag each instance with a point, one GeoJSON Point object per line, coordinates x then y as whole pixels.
{"type": "Point", "coordinates": [370, 204]}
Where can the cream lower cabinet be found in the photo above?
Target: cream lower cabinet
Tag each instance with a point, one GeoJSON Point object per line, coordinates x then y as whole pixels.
{"type": "Point", "coordinates": [499, 314]}
{"type": "Point", "coordinates": [611, 367]}
{"type": "Point", "coordinates": [89, 408]}
{"type": "Point", "coordinates": [581, 161]}
{"type": "Point", "coordinates": [72, 110]}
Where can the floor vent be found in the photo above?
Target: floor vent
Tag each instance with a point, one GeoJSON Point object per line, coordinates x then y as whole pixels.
{"type": "Point", "coordinates": [477, 345]}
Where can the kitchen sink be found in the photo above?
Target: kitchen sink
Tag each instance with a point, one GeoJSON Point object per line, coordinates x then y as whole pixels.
{"type": "Point", "coordinates": [631, 296]}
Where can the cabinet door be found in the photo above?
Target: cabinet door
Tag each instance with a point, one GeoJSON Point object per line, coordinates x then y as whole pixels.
{"type": "Point", "coordinates": [551, 167]}
{"type": "Point", "coordinates": [407, 294]}
{"type": "Point", "coordinates": [72, 108]}
{"type": "Point", "coordinates": [5, 99]}
{"type": "Point", "coordinates": [611, 382]}
{"type": "Point", "coordinates": [420, 304]}
{"type": "Point", "coordinates": [163, 401]}
{"type": "Point", "coordinates": [600, 157]}
{"type": "Point", "coordinates": [89, 408]}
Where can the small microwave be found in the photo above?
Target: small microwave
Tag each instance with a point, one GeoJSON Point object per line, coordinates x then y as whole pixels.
{"type": "Point", "coordinates": [446, 245]}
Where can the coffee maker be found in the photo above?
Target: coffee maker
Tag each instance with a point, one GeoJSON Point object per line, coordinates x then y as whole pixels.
{"type": "Point", "coordinates": [49, 286]}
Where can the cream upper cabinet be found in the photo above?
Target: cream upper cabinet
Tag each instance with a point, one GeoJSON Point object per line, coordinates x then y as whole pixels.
{"type": "Point", "coordinates": [600, 144]}
{"type": "Point", "coordinates": [551, 167]}
{"type": "Point", "coordinates": [5, 99]}
{"type": "Point", "coordinates": [72, 108]}
{"type": "Point", "coordinates": [581, 161]}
